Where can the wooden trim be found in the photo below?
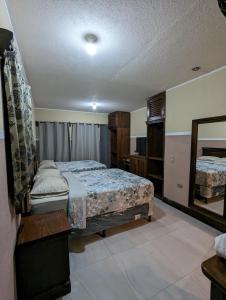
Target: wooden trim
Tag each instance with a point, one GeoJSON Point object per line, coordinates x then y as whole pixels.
{"type": "Point", "coordinates": [200, 214]}
{"type": "Point", "coordinates": [194, 142]}
{"type": "Point", "coordinates": [210, 151]}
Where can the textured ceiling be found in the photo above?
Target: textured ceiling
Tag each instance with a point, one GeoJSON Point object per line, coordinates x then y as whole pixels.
{"type": "Point", "coordinates": [146, 46]}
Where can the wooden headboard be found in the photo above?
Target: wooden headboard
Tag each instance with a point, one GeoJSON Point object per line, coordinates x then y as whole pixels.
{"type": "Point", "coordinates": [219, 152]}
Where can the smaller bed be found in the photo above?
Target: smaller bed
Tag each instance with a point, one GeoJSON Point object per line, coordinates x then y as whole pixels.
{"type": "Point", "coordinates": [80, 166]}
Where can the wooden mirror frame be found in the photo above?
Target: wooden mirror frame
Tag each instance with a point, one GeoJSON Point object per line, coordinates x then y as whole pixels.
{"type": "Point", "coordinates": [194, 142]}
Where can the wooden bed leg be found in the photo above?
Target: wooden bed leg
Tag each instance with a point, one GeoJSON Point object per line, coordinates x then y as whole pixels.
{"type": "Point", "coordinates": [102, 233]}
{"type": "Point", "coordinates": [149, 218]}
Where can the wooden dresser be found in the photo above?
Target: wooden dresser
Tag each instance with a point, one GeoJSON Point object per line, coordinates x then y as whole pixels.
{"type": "Point", "coordinates": [119, 125]}
{"type": "Point", "coordinates": [138, 165]}
{"type": "Point", "coordinates": [42, 257]}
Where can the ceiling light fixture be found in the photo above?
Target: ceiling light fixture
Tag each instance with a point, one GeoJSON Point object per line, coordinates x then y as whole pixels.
{"type": "Point", "coordinates": [195, 69]}
{"type": "Point", "coordinates": [94, 105]}
{"type": "Point", "coordinates": [91, 41]}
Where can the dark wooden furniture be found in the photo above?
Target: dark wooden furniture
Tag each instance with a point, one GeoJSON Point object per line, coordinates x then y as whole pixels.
{"type": "Point", "coordinates": [42, 257]}
{"type": "Point", "coordinates": [210, 151]}
{"type": "Point", "coordinates": [156, 108]}
{"type": "Point", "coordinates": [156, 141]}
{"type": "Point", "coordinates": [138, 165]}
{"type": "Point", "coordinates": [203, 214]}
{"type": "Point", "coordinates": [214, 269]}
{"type": "Point", "coordinates": [119, 125]}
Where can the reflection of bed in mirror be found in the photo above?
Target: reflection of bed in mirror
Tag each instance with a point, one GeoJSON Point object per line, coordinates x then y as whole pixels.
{"type": "Point", "coordinates": [211, 178]}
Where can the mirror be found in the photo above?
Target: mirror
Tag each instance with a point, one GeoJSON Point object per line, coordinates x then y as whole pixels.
{"type": "Point", "coordinates": [208, 165]}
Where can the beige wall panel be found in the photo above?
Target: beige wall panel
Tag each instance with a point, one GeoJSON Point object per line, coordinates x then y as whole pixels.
{"type": "Point", "coordinates": [204, 97]}
{"type": "Point", "coordinates": [138, 122]}
{"type": "Point", "coordinates": [57, 115]}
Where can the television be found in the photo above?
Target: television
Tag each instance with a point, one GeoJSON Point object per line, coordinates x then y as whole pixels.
{"type": "Point", "coordinates": [141, 145]}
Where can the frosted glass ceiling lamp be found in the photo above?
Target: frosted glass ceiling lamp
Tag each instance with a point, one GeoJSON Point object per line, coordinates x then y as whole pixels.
{"type": "Point", "coordinates": [94, 106]}
{"type": "Point", "coordinates": [91, 44]}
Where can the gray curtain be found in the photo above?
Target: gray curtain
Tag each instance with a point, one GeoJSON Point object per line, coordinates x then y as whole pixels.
{"type": "Point", "coordinates": [54, 141]}
{"type": "Point", "coordinates": [19, 119]}
{"type": "Point", "coordinates": [105, 145]}
{"type": "Point", "coordinates": [85, 142]}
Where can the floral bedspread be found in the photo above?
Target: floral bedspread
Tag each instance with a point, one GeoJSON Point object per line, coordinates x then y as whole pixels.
{"type": "Point", "coordinates": [79, 166]}
{"type": "Point", "coordinates": [210, 174]}
{"type": "Point", "coordinates": [99, 192]}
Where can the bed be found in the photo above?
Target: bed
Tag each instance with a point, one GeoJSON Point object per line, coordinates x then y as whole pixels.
{"type": "Point", "coordinates": [79, 166]}
{"type": "Point", "coordinates": [106, 198]}
{"type": "Point", "coordinates": [95, 200]}
{"type": "Point", "coordinates": [211, 174]}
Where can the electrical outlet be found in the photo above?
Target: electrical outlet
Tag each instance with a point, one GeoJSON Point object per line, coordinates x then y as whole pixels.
{"type": "Point", "coordinates": [137, 217]}
{"type": "Point", "coordinates": [172, 159]}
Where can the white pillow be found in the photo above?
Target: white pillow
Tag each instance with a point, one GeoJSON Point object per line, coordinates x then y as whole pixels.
{"type": "Point", "coordinates": [47, 164]}
{"type": "Point", "coordinates": [49, 185]}
{"type": "Point", "coordinates": [47, 172]}
{"type": "Point", "coordinates": [208, 158]}
{"type": "Point", "coordinates": [220, 245]}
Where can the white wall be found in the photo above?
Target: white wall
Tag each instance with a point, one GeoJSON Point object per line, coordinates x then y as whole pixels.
{"type": "Point", "coordinates": [138, 122]}
{"type": "Point", "coordinates": [200, 98]}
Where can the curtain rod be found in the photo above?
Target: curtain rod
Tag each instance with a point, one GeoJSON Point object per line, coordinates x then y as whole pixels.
{"type": "Point", "coordinates": [69, 123]}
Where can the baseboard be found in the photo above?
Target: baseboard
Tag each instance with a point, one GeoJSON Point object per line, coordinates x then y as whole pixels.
{"type": "Point", "coordinates": [200, 214]}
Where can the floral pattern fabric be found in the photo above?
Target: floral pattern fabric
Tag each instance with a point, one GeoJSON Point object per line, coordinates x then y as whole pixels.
{"type": "Point", "coordinates": [210, 174]}
{"type": "Point", "coordinates": [19, 109]}
{"type": "Point", "coordinates": [79, 166]}
{"type": "Point", "coordinates": [208, 192]}
{"type": "Point", "coordinates": [105, 191]}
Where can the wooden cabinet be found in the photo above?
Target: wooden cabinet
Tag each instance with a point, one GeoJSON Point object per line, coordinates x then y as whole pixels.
{"type": "Point", "coordinates": [156, 142]}
{"type": "Point", "coordinates": [42, 257]}
{"type": "Point", "coordinates": [119, 125]}
{"type": "Point", "coordinates": [138, 165]}
{"type": "Point", "coordinates": [156, 108]}
{"type": "Point", "coordinates": [119, 119]}
{"type": "Point", "coordinates": [214, 269]}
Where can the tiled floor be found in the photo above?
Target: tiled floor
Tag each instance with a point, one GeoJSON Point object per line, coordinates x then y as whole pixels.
{"type": "Point", "coordinates": [216, 206]}
{"type": "Point", "coordinates": [158, 260]}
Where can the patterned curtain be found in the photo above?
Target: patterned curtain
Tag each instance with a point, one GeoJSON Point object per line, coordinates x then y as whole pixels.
{"type": "Point", "coordinates": [19, 107]}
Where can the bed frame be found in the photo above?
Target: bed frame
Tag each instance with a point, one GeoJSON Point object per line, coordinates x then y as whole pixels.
{"type": "Point", "coordinates": [99, 224]}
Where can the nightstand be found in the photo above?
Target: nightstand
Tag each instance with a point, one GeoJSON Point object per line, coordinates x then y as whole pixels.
{"type": "Point", "coordinates": [42, 257]}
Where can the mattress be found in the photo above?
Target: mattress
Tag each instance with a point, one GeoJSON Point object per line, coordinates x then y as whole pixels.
{"type": "Point", "coordinates": [93, 193]}
{"type": "Point", "coordinates": [79, 166]}
{"type": "Point", "coordinates": [48, 204]}
{"type": "Point", "coordinates": [210, 174]}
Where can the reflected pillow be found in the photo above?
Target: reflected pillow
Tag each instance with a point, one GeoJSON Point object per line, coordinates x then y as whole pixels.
{"type": "Point", "coordinates": [222, 160]}
{"type": "Point", "coordinates": [47, 164]}
{"type": "Point", "coordinates": [49, 185]}
{"type": "Point", "coordinates": [47, 172]}
{"type": "Point", "coordinates": [208, 158]}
